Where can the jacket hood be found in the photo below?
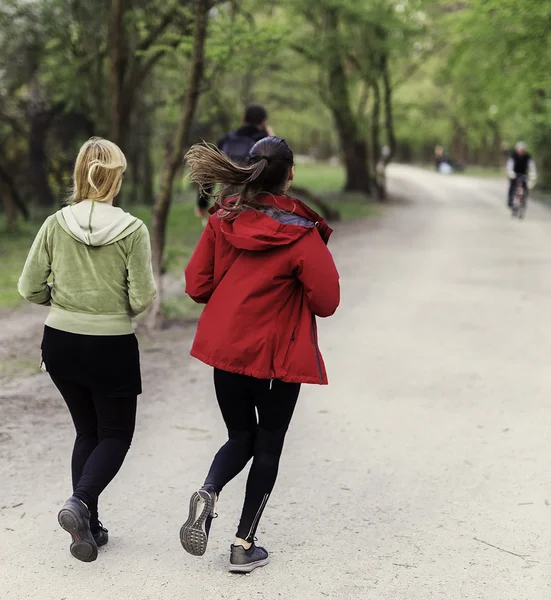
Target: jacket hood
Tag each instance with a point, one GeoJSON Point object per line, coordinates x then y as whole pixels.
{"type": "Point", "coordinates": [282, 221]}
{"type": "Point", "coordinates": [96, 223]}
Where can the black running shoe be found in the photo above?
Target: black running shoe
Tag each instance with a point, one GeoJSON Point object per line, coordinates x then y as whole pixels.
{"type": "Point", "coordinates": [194, 533]}
{"type": "Point", "coordinates": [101, 535]}
{"type": "Point", "coordinates": [245, 561]}
{"type": "Point", "coordinates": [74, 517]}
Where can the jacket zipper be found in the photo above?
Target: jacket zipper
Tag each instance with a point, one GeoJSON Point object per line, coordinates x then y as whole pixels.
{"type": "Point", "coordinates": [287, 351]}
{"type": "Point", "coordinates": [272, 367]}
{"type": "Point", "coordinates": [318, 357]}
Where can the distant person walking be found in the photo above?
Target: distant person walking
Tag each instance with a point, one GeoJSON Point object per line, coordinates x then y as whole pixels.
{"type": "Point", "coordinates": [237, 145]}
{"type": "Point", "coordinates": [263, 270]}
{"type": "Point", "coordinates": [100, 260]}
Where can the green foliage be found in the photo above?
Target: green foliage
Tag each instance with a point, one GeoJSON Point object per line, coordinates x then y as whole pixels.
{"type": "Point", "coordinates": [184, 229]}
{"type": "Point", "coordinates": [181, 309]}
{"type": "Point", "coordinates": [327, 180]}
{"type": "Point", "coordinates": [472, 76]}
{"type": "Point", "coordinates": [485, 85]}
{"type": "Point", "coordinates": [320, 178]}
{"type": "Point", "coordinates": [14, 247]}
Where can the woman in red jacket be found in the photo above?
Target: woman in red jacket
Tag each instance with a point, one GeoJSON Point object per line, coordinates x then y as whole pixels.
{"type": "Point", "coordinates": [263, 270]}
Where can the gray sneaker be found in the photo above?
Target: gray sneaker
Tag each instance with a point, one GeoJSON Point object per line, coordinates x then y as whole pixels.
{"type": "Point", "coordinates": [74, 517]}
{"type": "Point", "coordinates": [194, 533]}
{"type": "Point", "coordinates": [245, 561]}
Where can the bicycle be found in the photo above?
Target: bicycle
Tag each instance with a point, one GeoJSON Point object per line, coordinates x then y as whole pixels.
{"type": "Point", "coordinates": [520, 197]}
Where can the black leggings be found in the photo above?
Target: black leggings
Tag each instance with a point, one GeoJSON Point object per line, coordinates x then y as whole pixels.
{"type": "Point", "coordinates": [104, 426]}
{"type": "Point", "coordinates": [240, 398]}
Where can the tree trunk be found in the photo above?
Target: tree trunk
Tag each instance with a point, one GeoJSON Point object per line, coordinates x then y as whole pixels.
{"type": "Point", "coordinates": [542, 139]}
{"type": "Point", "coordinates": [117, 68]}
{"type": "Point", "coordinates": [175, 154]}
{"type": "Point", "coordinates": [542, 150]}
{"type": "Point", "coordinates": [145, 163]}
{"type": "Point", "coordinates": [390, 149]}
{"type": "Point", "coordinates": [37, 160]}
{"type": "Point", "coordinates": [352, 140]}
{"type": "Point", "coordinates": [458, 145]}
{"type": "Point", "coordinates": [12, 199]}
{"type": "Point", "coordinates": [494, 145]}
{"type": "Point", "coordinates": [389, 115]}
{"type": "Point", "coordinates": [129, 66]}
{"type": "Point", "coordinates": [378, 167]}
{"type": "Point", "coordinates": [148, 190]}
{"type": "Point", "coordinates": [40, 120]}
{"type": "Point", "coordinates": [10, 210]}
{"type": "Point", "coordinates": [355, 158]}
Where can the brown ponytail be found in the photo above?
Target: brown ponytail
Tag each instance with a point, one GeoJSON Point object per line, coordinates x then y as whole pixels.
{"type": "Point", "coordinates": [267, 171]}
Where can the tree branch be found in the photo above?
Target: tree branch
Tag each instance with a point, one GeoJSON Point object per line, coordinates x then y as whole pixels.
{"type": "Point", "coordinates": [303, 52]}
{"type": "Point", "coordinates": [156, 32]}
{"type": "Point", "coordinates": [362, 104]}
{"type": "Point", "coordinates": [6, 178]}
{"type": "Point", "coordinates": [410, 72]}
{"type": "Point", "coordinates": [389, 119]}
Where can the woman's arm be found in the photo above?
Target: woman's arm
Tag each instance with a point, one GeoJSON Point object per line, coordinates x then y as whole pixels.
{"type": "Point", "coordinates": [318, 274]}
{"type": "Point", "coordinates": [33, 283]}
{"type": "Point", "coordinates": [200, 270]}
{"type": "Point", "coordinates": [140, 280]}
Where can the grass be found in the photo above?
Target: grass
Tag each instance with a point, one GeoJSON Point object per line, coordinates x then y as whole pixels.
{"type": "Point", "coordinates": [183, 231]}
{"type": "Point", "coordinates": [320, 178]}
{"type": "Point", "coordinates": [181, 309]}
{"type": "Point", "coordinates": [327, 181]}
{"type": "Point", "coordinates": [14, 247]}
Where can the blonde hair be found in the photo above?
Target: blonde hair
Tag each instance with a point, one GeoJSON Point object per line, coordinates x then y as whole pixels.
{"type": "Point", "coordinates": [98, 171]}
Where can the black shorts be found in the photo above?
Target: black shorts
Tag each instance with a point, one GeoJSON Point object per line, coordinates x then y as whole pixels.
{"type": "Point", "coordinates": [106, 363]}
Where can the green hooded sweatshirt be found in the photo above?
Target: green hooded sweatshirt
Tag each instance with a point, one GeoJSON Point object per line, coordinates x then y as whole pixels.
{"type": "Point", "coordinates": [100, 260]}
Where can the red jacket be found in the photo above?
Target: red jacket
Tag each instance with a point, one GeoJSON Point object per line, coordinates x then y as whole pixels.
{"type": "Point", "coordinates": [264, 280]}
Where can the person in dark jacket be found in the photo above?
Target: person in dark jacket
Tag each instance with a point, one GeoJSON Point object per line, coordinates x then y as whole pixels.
{"type": "Point", "coordinates": [237, 145]}
{"type": "Point", "coordinates": [263, 269]}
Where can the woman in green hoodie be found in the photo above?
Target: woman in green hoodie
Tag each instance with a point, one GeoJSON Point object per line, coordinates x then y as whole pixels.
{"type": "Point", "coordinates": [99, 260]}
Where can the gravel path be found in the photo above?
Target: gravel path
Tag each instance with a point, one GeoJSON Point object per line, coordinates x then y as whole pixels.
{"type": "Point", "coordinates": [422, 472]}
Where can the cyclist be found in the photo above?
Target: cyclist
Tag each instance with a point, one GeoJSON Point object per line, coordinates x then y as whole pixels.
{"type": "Point", "coordinates": [520, 164]}
{"type": "Point", "coordinates": [237, 144]}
